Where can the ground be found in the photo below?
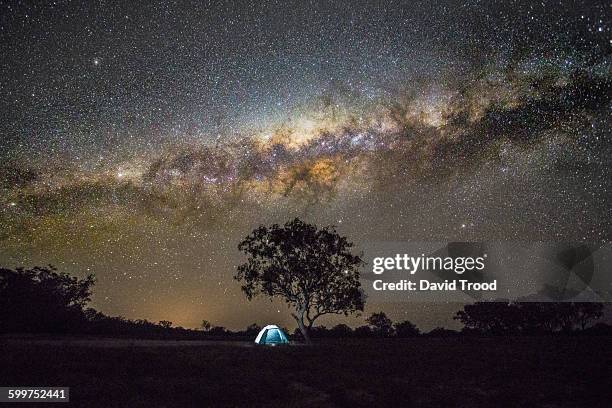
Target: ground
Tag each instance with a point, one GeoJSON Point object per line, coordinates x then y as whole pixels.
{"type": "Point", "coordinates": [421, 372]}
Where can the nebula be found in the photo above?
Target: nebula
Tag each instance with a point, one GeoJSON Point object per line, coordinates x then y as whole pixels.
{"type": "Point", "coordinates": [430, 135]}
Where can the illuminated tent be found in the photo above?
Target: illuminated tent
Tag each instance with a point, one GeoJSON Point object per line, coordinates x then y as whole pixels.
{"type": "Point", "coordinates": [272, 335]}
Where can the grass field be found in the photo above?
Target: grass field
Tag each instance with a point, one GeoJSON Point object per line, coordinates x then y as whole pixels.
{"type": "Point", "coordinates": [422, 372]}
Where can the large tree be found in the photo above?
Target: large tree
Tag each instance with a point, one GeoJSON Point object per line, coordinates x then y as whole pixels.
{"type": "Point", "coordinates": [312, 269]}
{"type": "Point", "coordinates": [42, 300]}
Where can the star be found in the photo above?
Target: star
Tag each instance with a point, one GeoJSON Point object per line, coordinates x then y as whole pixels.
{"type": "Point", "coordinates": [394, 122]}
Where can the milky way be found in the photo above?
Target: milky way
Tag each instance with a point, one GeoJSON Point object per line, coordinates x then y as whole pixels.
{"type": "Point", "coordinates": [141, 143]}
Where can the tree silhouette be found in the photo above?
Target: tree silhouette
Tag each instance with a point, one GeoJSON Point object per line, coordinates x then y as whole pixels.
{"type": "Point", "coordinates": [166, 324]}
{"type": "Point", "coordinates": [441, 332]}
{"type": "Point", "coordinates": [341, 330]}
{"type": "Point", "coordinates": [381, 325]}
{"type": "Point", "coordinates": [362, 331]}
{"type": "Point", "coordinates": [206, 325]}
{"type": "Point", "coordinates": [528, 317]}
{"type": "Point", "coordinates": [42, 300]}
{"type": "Point", "coordinates": [252, 330]}
{"type": "Point", "coordinates": [218, 331]}
{"type": "Point", "coordinates": [586, 312]}
{"type": "Point", "coordinates": [311, 269]}
{"type": "Point", "coordinates": [406, 329]}
{"type": "Point", "coordinates": [490, 317]}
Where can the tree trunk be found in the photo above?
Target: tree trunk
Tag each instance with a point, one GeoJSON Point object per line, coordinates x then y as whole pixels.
{"type": "Point", "coordinates": [300, 321]}
{"type": "Point", "coordinates": [304, 331]}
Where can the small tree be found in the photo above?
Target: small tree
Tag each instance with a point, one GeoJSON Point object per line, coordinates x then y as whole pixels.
{"type": "Point", "coordinates": [218, 331]}
{"type": "Point", "coordinates": [406, 329]}
{"type": "Point", "coordinates": [166, 324]}
{"type": "Point", "coordinates": [362, 331]}
{"type": "Point", "coordinates": [252, 329]}
{"type": "Point", "coordinates": [341, 330]}
{"type": "Point", "coordinates": [311, 269]}
{"type": "Point", "coordinates": [206, 325]}
{"type": "Point", "coordinates": [380, 324]}
{"type": "Point", "coordinates": [587, 312]}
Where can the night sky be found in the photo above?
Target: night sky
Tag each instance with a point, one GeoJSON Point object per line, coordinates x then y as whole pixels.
{"type": "Point", "coordinates": [140, 141]}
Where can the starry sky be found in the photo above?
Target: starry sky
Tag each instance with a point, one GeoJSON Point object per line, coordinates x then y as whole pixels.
{"type": "Point", "coordinates": [140, 141]}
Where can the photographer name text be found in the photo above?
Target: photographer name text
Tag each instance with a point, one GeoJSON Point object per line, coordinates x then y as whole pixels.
{"type": "Point", "coordinates": [425, 285]}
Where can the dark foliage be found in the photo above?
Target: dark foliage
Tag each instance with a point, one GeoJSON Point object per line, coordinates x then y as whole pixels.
{"type": "Point", "coordinates": [406, 329]}
{"type": "Point", "coordinates": [498, 318]}
{"type": "Point", "coordinates": [442, 332]}
{"type": "Point", "coordinates": [380, 324]}
{"type": "Point", "coordinates": [363, 331]}
{"type": "Point", "coordinates": [42, 300]}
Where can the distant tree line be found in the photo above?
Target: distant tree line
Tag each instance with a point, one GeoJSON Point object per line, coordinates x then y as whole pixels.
{"type": "Point", "coordinates": [501, 318]}
{"type": "Point", "coordinates": [489, 319]}
{"type": "Point", "coordinates": [43, 300]}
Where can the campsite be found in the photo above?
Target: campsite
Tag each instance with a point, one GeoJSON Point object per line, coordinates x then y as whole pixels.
{"type": "Point", "coordinates": [563, 371]}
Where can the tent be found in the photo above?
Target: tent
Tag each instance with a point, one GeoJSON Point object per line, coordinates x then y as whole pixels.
{"type": "Point", "coordinates": [272, 335]}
